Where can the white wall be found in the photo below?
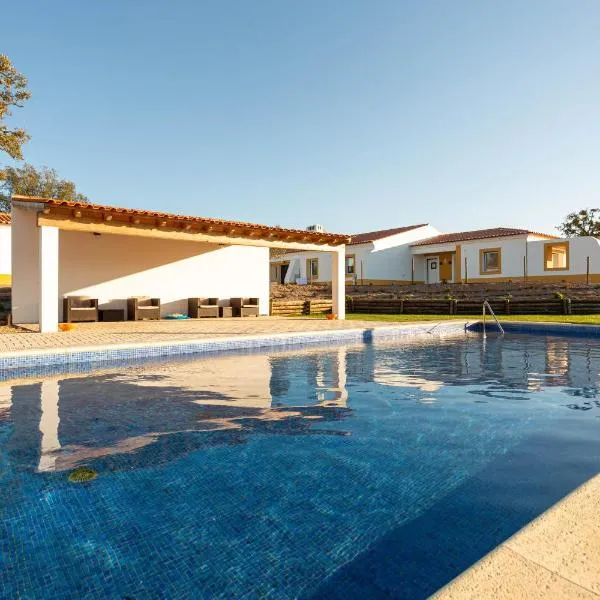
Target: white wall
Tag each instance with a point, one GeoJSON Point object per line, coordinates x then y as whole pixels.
{"type": "Point", "coordinates": [113, 268]}
{"type": "Point", "coordinates": [5, 250]}
{"type": "Point", "coordinates": [579, 249]}
{"type": "Point", "coordinates": [386, 259]}
{"type": "Point", "coordinates": [512, 251]}
{"type": "Point", "coordinates": [391, 257]}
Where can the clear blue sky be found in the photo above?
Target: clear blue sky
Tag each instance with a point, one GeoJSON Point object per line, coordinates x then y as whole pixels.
{"type": "Point", "coordinates": [356, 114]}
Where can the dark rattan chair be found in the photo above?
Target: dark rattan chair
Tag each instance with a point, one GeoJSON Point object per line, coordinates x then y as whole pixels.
{"type": "Point", "coordinates": [245, 307]}
{"type": "Point", "coordinates": [77, 309]}
{"type": "Point", "coordinates": [139, 309]}
{"type": "Point", "coordinates": [203, 307]}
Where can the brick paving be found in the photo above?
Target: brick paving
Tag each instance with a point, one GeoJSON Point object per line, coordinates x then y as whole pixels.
{"type": "Point", "coordinates": [129, 332]}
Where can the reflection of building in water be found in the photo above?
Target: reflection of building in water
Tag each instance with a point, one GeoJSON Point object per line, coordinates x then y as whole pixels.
{"type": "Point", "coordinates": [557, 360]}
{"type": "Point", "coordinates": [61, 424]}
{"type": "Point", "coordinates": [386, 375]}
{"type": "Point", "coordinates": [244, 380]}
{"type": "Point", "coordinates": [525, 363]}
{"type": "Point", "coordinates": [312, 377]}
{"type": "Point", "coordinates": [155, 414]}
{"type": "Point", "coordinates": [49, 422]}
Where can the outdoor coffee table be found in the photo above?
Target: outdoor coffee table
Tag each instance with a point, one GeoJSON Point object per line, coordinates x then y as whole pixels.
{"type": "Point", "coordinates": [112, 314]}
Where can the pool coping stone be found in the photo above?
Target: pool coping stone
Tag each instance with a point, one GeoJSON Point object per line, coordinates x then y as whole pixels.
{"type": "Point", "coordinates": [162, 348]}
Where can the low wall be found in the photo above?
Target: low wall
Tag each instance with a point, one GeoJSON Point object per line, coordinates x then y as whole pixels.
{"type": "Point", "coordinates": [289, 308]}
{"type": "Point", "coordinates": [392, 306]}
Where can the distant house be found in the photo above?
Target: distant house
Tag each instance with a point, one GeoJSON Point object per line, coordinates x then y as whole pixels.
{"type": "Point", "coordinates": [377, 257]}
{"type": "Point", "coordinates": [5, 249]}
{"type": "Point", "coordinates": [420, 254]}
{"type": "Point", "coordinates": [503, 254]}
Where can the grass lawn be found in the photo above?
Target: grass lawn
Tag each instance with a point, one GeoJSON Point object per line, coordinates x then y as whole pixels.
{"type": "Point", "coordinates": [585, 319]}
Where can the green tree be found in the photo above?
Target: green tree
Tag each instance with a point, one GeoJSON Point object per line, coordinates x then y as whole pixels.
{"type": "Point", "coordinates": [584, 222]}
{"type": "Point", "coordinates": [29, 181]}
{"type": "Point", "coordinates": [13, 92]}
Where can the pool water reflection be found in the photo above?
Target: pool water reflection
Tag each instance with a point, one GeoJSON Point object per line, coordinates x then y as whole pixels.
{"type": "Point", "coordinates": [366, 471]}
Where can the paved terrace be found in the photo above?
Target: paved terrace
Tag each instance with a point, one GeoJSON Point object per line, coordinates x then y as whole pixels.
{"type": "Point", "coordinates": [555, 557]}
{"type": "Point", "coordinates": [130, 332]}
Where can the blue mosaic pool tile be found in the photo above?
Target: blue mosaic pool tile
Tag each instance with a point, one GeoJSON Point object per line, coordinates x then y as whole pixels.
{"type": "Point", "coordinates": [562, 329]}
{"type": "Point", "coordinates": [420, 488]}
{"type": "Point", "coordinates": [10, 362]}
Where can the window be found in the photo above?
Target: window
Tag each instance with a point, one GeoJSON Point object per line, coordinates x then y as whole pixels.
{"type": "Point", "coordinates": [312, 269]}
{"type": "Point", "coordinates": [350, 265]}
{"type": "Point", "coordinates": [490, 261]}
{"type": "Point", "coordinates": [556, 256]}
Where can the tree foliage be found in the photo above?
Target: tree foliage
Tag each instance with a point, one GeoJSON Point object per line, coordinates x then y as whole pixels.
{"type": "Point", "coordinates": [584, 222]}
{"type": "Point", "coordinates": [29, 181]}
{"type": "Point", "coordinates": [13, 92]}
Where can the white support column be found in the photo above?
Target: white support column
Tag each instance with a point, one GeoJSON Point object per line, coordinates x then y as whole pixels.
{"type": "Point", "coordinates": [48, 292]}
{"type": "Point", "coordinates": [338, 281]}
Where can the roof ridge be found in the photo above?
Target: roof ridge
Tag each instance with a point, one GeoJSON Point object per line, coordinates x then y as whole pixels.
{"type": "Point", "coordinates": [370, 236]}
{"type": "Point", "coordinates": [480, 234]}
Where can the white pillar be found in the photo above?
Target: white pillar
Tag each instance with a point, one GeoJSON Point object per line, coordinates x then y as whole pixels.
{"type": "Point", "coordinates": [48, 293]}
{"type": "Point", "coordinates": [338, 281]}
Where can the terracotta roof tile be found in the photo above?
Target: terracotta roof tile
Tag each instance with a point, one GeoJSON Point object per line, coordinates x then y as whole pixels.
{"type": "Point", "coordinates": [479, 234]}
{"type": "Point", "coordinates": [371, 236]}
{"type": "Point", "coordinates": [309, 236]}
{"type": "Point", "coordinates": [5, 218]}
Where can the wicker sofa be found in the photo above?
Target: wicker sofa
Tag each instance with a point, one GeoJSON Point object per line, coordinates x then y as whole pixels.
{"type": "Point", "coordinates": [203, 307]}
{"type": "Point", "coordinates": [244, 307]}
{"type": "Point", "coordinates": [139, 309]}
{"type": "Point", "coordinates": [78, 309]}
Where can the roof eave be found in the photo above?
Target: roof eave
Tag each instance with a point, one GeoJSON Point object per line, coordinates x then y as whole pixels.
{"type": "Point", "coordinates": [135, 217]}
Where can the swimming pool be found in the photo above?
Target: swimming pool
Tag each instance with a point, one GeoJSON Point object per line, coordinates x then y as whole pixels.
{"type": "Point", "coordinates": [379, 470]}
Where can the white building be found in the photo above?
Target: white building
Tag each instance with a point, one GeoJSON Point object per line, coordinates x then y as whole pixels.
{"type": "Point", "coordinates": [111, 254]}
{"type": "Point", "coordinates": [504, 254]}
{"type": "Point", "coordinates": [5, 253]}
{"type": "Point", "coordinates": [377, 257]}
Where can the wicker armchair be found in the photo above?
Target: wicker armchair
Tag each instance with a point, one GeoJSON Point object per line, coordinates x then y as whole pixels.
{"type": "Point", "coordinates": [203, 307]}
{"type": "Point", "coordinates": [77, 309]}
{"type": "Point", "coordinates": [245, 307]}
{"type": "Point", "coordinates": [139, 309]}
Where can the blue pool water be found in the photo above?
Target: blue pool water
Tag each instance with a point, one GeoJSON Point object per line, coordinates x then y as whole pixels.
{"type": "Point", "coordinates": [377, 471]}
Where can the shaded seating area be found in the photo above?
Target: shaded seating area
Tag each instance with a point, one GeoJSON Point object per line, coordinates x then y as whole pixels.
{"type": "Point", "coordinates": [203, 307]}
{"type": "Point", "coordinates": [139, 309]}
{"type": "Point", "coordinates": [245, 307]}
{"type": "Point", "coordinates": [79, 309]}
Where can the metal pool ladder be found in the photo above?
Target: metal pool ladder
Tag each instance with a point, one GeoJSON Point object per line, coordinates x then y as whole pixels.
{"type": "Point", "coordinates": [486, 304]}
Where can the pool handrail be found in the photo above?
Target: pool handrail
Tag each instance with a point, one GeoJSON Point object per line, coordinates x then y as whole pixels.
{"type": "Point", "coordinates": [486, 304]}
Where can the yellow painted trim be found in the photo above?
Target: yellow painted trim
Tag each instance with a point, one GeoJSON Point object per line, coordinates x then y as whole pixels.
{"type": "Point", "coordinates": [385, 282]}
{"type": "Point", "coordinates": [548, 255]}
{"type": "Point", "coordinates": [445, 260]}
{"type": "Point", "coordinates": [594, 278]}
{"type": "Point", "coordinates": [458, 264]}
{"type": "Point", "coordinates": [490, 271]}
{"type": "Point", "coordinates": [5, 279]}
{"type": "Point", "coordinates": [309, 275]}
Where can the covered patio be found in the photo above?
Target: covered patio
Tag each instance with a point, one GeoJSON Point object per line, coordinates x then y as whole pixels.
{"type": "Point", "coordinates": [62, 249]}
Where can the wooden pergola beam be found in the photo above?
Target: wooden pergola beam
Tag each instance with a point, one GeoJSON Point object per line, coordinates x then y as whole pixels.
{"type": "Point", "coordinates": [151, 230]}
